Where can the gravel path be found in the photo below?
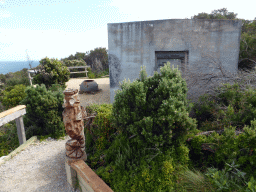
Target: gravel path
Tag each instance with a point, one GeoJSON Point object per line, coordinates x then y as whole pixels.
{"type": "Point", "coordinates": [39, 167]}
{"type": "Point", "coordinates": [100, 97]}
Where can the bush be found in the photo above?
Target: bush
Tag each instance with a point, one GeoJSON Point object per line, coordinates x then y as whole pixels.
{"type": "Point", "coordinates": [17, 81]}
{"type": "Point", "coordinates": [154, 109]}
{"type": "Point", "coordinates": [13, 97]}
{"type": "Point", "coordinates": [2, 78]}
{"type": "Point", "coordinates": [99, 53]}
{"type": "Point", "coordinates": [17, 78]}
{"type": "Point", "coordinates": [44, 111]}
{"type": "Point", "coordinates": [143, 114]}
{"type": "Point", "coordinates": [9, 140]}
{"type": "Point", "coordinates": [51, 71]}
{"type": "Point", "coordinates": [91, 75]}
{"type": "Point", "coordinates": [156, 176]}
{"type": "Point", "coordinates": [98, 134]}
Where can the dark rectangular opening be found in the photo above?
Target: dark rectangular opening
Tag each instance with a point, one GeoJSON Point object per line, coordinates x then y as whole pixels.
{"type": "Point", "coordinates": [176, 58]}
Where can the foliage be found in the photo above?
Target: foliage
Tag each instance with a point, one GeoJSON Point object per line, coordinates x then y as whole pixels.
{"type": "Point", "coordinates": [239, 108]}
{"type": "Point", "coordinates": [157, 178]}
{"type": "Point", "coordinates": [17, 78]}
{"type": "Point", "coordinates": [228, 148]}
{"type": "Point", "coordinates": [99, 53]}
{"type": "Point", "coordinates": [147, 108]}
{"type": "Point", "coordinates": [51, 71]}
{"type": "Point", "coordinates": [44, 111]}
{"type": "Point", "coordinates": [90, 58]}
{"type": "Point", "coordinates": [72, 63]}
{"type": "Point", "coordinates": [226, 179]}
{"type": "Point", "coordinates": [2, 78]}
{"type": "Point", "coordinates": [98, 134]}
{"type": "Point", "coordinates": [216, 14]}
{"type": "Point", "coordinates": [13, 97]}
{"type": "Point", "coordinates": [76, 62]}
{"type": "Point", "coordinates": [91, 75]}
{"type": "Point", "coordinates": [248, 42]}
{"type": "Point", "coordinates": [77, 56]}
{"type": "Point", "coordinates": [125, 152]}
{"type": "Point", "coordinates": [135, 170]}
{"type": "Point", "coordinates": [8, 138]}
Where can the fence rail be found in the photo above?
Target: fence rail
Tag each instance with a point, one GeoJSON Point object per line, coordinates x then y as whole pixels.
{"type": "Point", "coordinates": [16, 114]}
{"type": "Point", "coordinates": [85, 71]}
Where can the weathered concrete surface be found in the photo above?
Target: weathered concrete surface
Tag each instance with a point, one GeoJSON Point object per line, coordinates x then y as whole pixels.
{"type": "Point", "coordinates": [189, 43]}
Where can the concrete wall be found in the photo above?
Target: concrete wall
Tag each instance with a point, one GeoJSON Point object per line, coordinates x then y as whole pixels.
{"type": "Point", "coordinates": [185, 43]}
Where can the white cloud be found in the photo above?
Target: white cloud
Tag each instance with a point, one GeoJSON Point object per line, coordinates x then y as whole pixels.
{"type": "Point", "coordinates": [50, 43]}
{"type": "Point", "coordinates": [165, 9]}
{"type": "Point", "coordinates": [4, 13]}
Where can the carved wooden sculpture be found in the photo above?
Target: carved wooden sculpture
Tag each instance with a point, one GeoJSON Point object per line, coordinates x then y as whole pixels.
{"type": "Point", "coordinates": [73, 116]}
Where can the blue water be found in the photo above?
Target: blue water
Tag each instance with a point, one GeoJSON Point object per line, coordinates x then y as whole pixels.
{"type": "Point", "coordinates": [14, 66]}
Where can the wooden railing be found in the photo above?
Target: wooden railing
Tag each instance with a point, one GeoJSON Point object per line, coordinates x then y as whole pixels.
{"type": "Point", "coordinates": [15, 114]}
{"type": "Point", "coordinates": [85, 71]}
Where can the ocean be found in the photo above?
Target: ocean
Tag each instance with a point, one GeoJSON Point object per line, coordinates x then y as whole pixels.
{"type": "Point", "coordinates": [14, 66]}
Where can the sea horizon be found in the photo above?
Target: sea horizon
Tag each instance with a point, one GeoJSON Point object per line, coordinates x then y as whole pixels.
{"type": "Point", "coordinates": [14, 66]}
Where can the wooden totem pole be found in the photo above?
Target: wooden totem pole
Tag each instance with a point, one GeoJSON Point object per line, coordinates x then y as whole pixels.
{"type": "Point", "coordinates": [73, 116]}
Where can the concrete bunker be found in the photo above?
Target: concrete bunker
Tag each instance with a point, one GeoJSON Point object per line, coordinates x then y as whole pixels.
{"type": "Point", "coordinates": [191, 44]}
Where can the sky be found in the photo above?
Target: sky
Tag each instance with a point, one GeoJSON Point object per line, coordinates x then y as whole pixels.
{"type": "Point", "coordinates": [59, 28]}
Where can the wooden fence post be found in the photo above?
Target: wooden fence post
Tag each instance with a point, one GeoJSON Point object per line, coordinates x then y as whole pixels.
{"type": "Point", "coordinates": [15, 113]}
{"type": "Point", "coordinates": [20, 130]}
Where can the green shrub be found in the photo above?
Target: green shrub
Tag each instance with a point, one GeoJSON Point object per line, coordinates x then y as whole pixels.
{"type": "Point", "coordinates": [143, 113]}
{"type": "Point", "coordinates": [99, 125]}
{"type": "Point", "coordinates": [51, 71]}
{"type": "Point", "coordinates": [44, 111]}
{"type": "Point", "coordinates": [98, 134]}
{"type": "Point", "coordinates": [18, 81]}
{"type": "Point", "coordinates": [13, 97]}
{"type": "Point", "coordinates": [17, 78]}
{"type": "Point", "coordinates": [154, 109]}
{"type": "Point", "coordinates": [2, 78]}
{"type": "Point", "coordinates": [9, 140]}
{"type": "Point", "coordinates": [231, 106]}
{"type": "Point", "coordinates": [158, 177]}
{"type": "Point", "coordinates": [139, 170]}
{"type": "Point", "coordinates": [228, 147]}
{"type": "Point", "coordinates": [91, 75]}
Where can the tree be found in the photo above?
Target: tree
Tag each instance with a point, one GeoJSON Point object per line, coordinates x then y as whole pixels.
{"type": "Point", "coordinates": [248, 44]}
{"type": "Point", "coordinates": [51, 71]}
{"type": "Point", "coordinates": [94, 58]}
{"type": "Point", "coordinates": [75, 62]}
{"type": "Point", "coordinates": [216, 14]}
{"type": "Point", "coordinates": [101, 55]}
{"type": "Point", "coordinates": [77, 56]}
